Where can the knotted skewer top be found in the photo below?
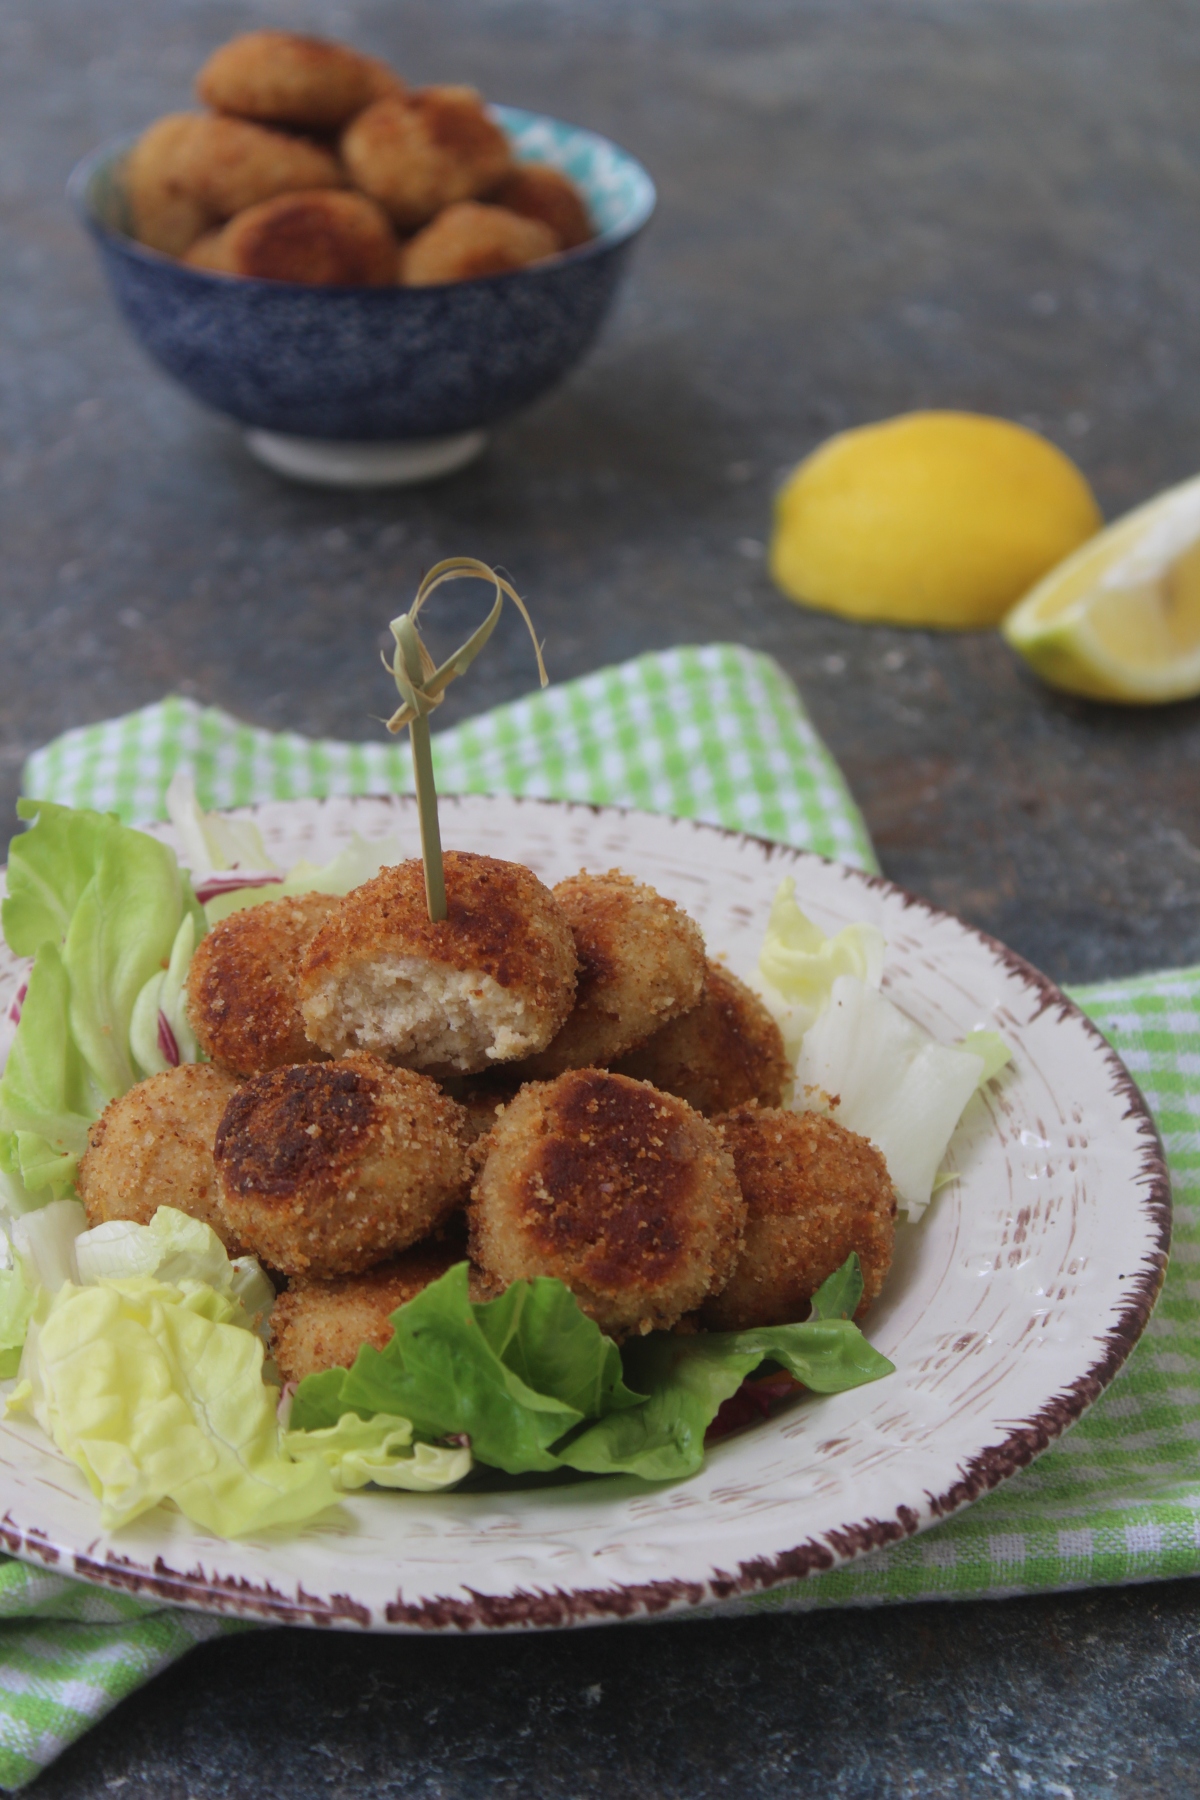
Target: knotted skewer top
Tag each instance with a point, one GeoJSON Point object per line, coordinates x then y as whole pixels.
{"type": "Point", "coordinates": [422, 687]}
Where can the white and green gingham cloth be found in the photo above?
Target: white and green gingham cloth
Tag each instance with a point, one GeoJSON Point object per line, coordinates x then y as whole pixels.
{"type": "Point", "coordinates": [716, 733]}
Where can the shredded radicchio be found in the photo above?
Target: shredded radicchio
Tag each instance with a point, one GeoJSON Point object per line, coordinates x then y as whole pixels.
{"type": "Point", "coordinates": [212, 885]}
{"type": "Point", "coordinates": [14, 1011]}
{"type": "Point", "coordinates": [167, 1043]}
{"type": "Point", "coordinates": [752, 1402]}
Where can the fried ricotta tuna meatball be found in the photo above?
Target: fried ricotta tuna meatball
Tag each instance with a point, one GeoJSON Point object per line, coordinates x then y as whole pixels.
{"type": "Point", "coordinates": [627, 1195]}
{"type": "Point", "coordinates": [323, 1324]}
{"type": "Point", "coordinates": [220, 166]}
{"type": "Point", "coordinates": [419, 154]}
{"type": "Point", "coordinates": [814, 1192]}
{"type": "Point", "coordinates": [325, 238]}
{"type": "Point", "coordinates": [724, 1052]}
{"type": "Point", "coordinates": [492, 981]}
{"type": "Point", "coordinates": [537, 191]}
{"type": "Point", "coordinates": [154, 1147]}
{"type": "Point", "coordinates": [326, 1168]}
{"type": "Point", "coordinates": [641, 963]}
{"type": "Point", "coordinates": [165, 213]}
{"type": "Point", "coordinates": [467, 241]}
{"type": "Point", "coordinates": [242, 1002]}
{"type": "Point", "coordinates": [284, 78]}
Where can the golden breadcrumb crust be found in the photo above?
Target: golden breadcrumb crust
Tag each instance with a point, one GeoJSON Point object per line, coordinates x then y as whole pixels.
{"type": "Point", "coordinates": [468, 240]}
{"type": "Point", "coordinates": [726, 1051]}
{"type": "Point", "coordinates": [490, 982]}
{"type": "Point", "coordinates": [327, 1168]}
{"type": "Point", "coordinates": [319, 1325]}
{"type": "Point", "coordinates": [242, 1002]}
{"type": "Point", "coordinates": [537, 191]}
{"type": "Point", "coordinates": [323, 237]}
{"type": "Point", "coordinates": [418, 154]}
{"type": "Point", "coordinates": [284, 78]}
{"type": "Point", "coordinates": [641, 963]}
{"type": "Point", "coordinates": [814, 1192]}
{"type": "Point", "coordinates": [154, 1147]}
{"type": "Point", "coordinates": [625, 1194]}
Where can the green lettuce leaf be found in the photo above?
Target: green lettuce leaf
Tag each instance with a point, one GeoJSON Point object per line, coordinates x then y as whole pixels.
{"type": "Point", "coordinates": [317, 1404]}
{"type": "Point", "coordinates": [688, 1378]}
{"type": "Point", "coordinates": [157, 1394]}
{"type": "Point", "coordinates": [535, 1385]}
{"type": "Point", "coordinates": [357, 1451]}
{"type": "Point", "coordinates": [444, 1372]}
{"type": "Point", "coordinates": [99, 907]}
{"type": "Point", "coordinates": [16, 1310]}
{"type": "Point", "coordinates": [48, 1099]}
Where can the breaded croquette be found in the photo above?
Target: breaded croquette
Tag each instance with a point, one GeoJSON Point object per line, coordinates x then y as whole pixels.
{"type": "Point", "coordinates": [492, 981]}
{"type": "Point", "coordinates": [419, 154]}
{"type": "Point", "coordinates": [537, 191]}
{"type": "Point", "coordinates": [814, 1192]}
{"type": "Point", "coordinates": [242, 1002]}
{"type": "Point", "coordinates": [230, 164]}
{"type": "Point", "coordinates": [164, 211]}
{"type": "Point", "coordinates": [481, 1097]}
{"type": "Point", "coordinates": [154, 1147]}
{"type": "Point", "coordinates": [326, 239]}
{"type": "Point", "coordinates": [283, 78]}
{"type": "Point", "coordinates": [323, 1324]}
{"type": "Point", "coordinates": [467, 241]}
{"type": "Point", "coordinates": [625, 1194]}
{"type": "Point", "coordinates": [641, 964]}
{"type": "Point", "coordinates": [189, 171]}
{"type": "Point", "coordinates": [724, 1052]}
{"type": "Point", "coordinates": [327, 1168]}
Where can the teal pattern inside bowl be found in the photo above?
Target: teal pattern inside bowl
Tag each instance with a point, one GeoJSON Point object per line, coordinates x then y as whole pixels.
{"type": "Point", "coordinates": [618, 191]}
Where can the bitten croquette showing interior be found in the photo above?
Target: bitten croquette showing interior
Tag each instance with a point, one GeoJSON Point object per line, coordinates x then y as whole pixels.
{"type": "Point", "coordinates": [491, 982]}
{"type": "Point", "coordinates": [242, 1001]}
{"type": "Point", "coordinates": [726, 1051]}
{"type": "Point", "coordinates": [627, 1195]}
{"type": "Point", "coordinates": [641, 963]}
{"type": "Point", "coordinates": [814, 1192]}
{"type": "Point", "coordinates": [328, 1168]}
{"type": "Point", "coordinates": [154, 1147]}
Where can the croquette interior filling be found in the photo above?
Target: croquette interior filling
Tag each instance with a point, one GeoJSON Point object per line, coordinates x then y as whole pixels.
{"type": "Point", "coordinates": [414, 1010]}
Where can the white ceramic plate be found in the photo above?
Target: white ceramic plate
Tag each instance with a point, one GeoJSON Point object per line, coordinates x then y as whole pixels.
{"type": "Point", "coordinates": [1007, 1311]}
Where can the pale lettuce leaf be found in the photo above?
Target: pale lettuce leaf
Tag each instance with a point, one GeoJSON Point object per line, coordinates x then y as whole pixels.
{"type": "Point", "coordinates": [157, 1395]}
{"type": "Point", "coordinates": [798, 964]}
{"type": "Point", "coordinates": [885, 1078]}
{"type": "Point", "coordinates": [209, 840]}
{"type": "Point", "coordinates": [379, 1450]}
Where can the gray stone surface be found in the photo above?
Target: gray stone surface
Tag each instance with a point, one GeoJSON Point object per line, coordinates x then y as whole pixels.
{"type": "Point", "coordinates": [865, 207]}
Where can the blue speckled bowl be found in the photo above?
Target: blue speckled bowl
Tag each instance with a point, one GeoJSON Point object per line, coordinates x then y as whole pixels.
{"type": "Point", "coordinates": [374, 364]}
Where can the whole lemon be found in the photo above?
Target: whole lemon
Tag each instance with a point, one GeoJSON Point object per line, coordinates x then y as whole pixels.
{"type": "Point", "coordinates": [934, 518]}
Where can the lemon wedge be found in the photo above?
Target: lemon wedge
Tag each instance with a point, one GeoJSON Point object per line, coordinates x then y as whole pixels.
{"type": "Point", "coordinates": [1120, 620]}
{"type": "Point", "coordinates": [934, 518]}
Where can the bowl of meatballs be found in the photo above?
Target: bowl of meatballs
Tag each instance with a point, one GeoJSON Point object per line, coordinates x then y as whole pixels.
{"type": "Point", "coordinates": [365, 276]}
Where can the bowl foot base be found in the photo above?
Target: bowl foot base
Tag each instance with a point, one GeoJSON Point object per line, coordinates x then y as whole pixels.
{"type": "Point", "coordinates": [332, 462]}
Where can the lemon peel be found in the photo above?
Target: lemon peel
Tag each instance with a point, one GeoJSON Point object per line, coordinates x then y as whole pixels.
{"type": "Point", "coordinates": [941, 519]}
{"type": "Point", "coordinates": [1120, 619]}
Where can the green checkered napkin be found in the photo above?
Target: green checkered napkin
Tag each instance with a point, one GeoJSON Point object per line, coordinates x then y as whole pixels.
{"type": "Point", "coordinates": [713, 733]}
